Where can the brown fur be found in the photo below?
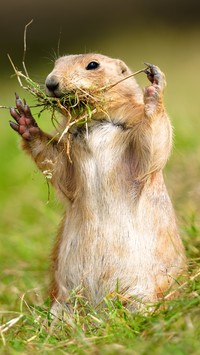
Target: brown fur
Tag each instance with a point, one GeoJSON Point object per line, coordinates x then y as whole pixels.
{"type": "Point", "coordinates": [119, 225]}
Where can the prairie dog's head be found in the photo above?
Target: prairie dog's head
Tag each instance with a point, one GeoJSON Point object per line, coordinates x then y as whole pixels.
{"type": "Point", "coordinates": [87, 72]}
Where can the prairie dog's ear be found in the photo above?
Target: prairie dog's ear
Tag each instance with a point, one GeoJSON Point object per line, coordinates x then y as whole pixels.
{"type": "Point", "coordinates": [123, 67]}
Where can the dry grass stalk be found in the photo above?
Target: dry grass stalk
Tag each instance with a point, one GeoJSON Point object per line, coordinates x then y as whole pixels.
{"type": "Point", "coordinates": [183, 285]}
{"type": "Point", "coordinates": [77, 106]}
{"type": "Point", "coordinates": [10, 323]}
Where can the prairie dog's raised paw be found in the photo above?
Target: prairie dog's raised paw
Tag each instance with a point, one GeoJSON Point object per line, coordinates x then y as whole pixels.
{"type": "Point", "coordinates": [156, 77]}
{"type": "Point", "coordinates": [25, 124]}
{"type": "Point", "coordinates": [153, 94]}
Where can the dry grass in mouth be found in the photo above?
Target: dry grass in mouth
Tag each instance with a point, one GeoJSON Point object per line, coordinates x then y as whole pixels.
{"type": "Point", "coordinates": [77, 106]}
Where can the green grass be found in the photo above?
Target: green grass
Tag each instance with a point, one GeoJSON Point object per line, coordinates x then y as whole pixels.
{"type": "Point", "coordinates": [113, 331]}
{"type": "Point", "coordinates": [29, 220]}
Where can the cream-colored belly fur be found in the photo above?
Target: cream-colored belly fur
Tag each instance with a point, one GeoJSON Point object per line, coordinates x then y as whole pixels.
{"type": "Point", "coordinates": [109, 236]}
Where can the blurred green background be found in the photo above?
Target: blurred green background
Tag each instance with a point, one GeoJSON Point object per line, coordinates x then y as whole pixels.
{"type": "Point", "coordinates": [166, 33]}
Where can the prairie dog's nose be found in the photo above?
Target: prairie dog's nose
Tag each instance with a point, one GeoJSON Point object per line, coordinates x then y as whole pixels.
{"type": "Point", "coordinates": [52, 83]}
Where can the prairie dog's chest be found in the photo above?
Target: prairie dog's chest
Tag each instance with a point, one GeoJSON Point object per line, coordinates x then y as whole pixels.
{"type": "Point", "coordinates": [101, 149]}
{"type": "Point", "coordinates": [101, 177]}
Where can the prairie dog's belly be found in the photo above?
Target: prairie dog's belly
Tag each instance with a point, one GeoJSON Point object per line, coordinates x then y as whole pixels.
{"type": "Point", "coordinates": [108, 238]}
{"type": "Point", "coordinates": [101, 243]}
{"type": "Point", "coordinates": [105, 251]}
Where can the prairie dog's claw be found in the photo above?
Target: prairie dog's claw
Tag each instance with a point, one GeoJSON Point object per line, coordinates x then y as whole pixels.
{"type": "Point", "coordinates": [155, 76]}
{"type": "Point", "coordinates": [25, 124]}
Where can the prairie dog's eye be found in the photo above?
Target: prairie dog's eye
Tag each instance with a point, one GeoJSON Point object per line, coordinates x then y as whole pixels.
{"type": "Point", "coordinates": [92, 65]}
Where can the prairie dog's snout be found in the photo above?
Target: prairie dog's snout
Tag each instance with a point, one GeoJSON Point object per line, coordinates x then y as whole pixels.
{"type": "Point", "coordinates": [52, 85]}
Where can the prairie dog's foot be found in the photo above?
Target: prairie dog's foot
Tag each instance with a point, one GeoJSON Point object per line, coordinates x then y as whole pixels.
{"type": "Point", "coordinates": [25, 124]}
{"type": "Point", "coordinates": [157, 78]}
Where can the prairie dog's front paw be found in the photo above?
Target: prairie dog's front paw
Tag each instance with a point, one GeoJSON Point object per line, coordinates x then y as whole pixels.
{"type": "Point", "coordinates": [157, 78]}
{"type": "Point", "coordinates": [25, 124]}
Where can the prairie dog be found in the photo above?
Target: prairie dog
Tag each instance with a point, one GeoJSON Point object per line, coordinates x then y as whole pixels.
{"type": "Point", "coordinates": [119, 226]}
